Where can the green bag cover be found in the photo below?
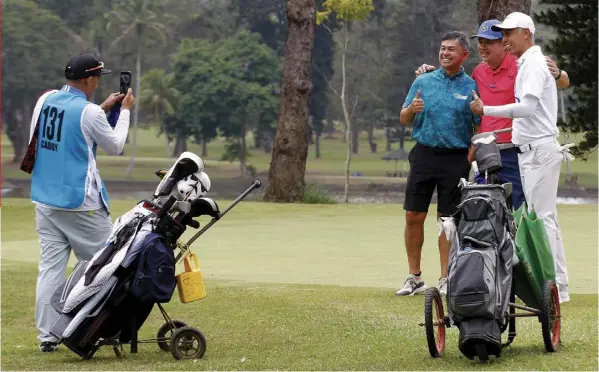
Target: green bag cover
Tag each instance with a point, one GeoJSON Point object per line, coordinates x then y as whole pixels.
{"type": "Point", "coordinates": [536, 259]}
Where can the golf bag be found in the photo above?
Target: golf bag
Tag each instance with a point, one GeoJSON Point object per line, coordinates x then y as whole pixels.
{"type": "Point", "coordinates": [480, 268]}
{"type": "Point", "coordinates": [107, 299]}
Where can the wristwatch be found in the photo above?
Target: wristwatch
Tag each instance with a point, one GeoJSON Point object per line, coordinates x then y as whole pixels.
{"type": "Point", "coordinates": [558, 75]}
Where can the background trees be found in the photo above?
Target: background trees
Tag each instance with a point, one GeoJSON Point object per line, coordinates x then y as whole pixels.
{"type": "Point", "coordinates": [575, 48]}
{"type": "Point", "coordinates": [208, 69]}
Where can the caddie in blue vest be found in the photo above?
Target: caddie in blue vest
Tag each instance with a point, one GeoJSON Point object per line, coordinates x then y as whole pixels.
{"type": "Point", "coordinates": [71, 202]}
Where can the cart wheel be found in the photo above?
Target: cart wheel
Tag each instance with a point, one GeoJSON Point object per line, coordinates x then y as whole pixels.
{"type": "Point", "coordinates": [165, 333]}
{"type": "Point", "coordinates": [433, 319]}
{"type": "Point", "coordinates": [118, 351]}
{"type": "Point", "coordinates": [188, 343]}
{"type": "Point", "coordinates": [551, 316]}
{"type": "Point", "coordinates": [481, 352]}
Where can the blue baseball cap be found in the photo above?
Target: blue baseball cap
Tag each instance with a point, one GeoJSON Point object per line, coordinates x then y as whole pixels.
{"type": "Point", "coordinates": [486, 32]}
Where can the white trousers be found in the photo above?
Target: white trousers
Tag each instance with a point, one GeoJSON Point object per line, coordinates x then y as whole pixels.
{"type": "Point", "coordinates": [540, 171]}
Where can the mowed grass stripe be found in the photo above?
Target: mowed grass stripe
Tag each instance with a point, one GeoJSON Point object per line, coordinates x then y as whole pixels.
{"type": "Point", "coordinates": [347, 245]}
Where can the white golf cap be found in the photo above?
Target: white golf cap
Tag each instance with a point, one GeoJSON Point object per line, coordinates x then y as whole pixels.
{"type": "Point", "coordinates": [515, 20]}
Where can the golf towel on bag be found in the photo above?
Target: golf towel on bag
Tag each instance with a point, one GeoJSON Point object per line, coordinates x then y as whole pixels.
{"type": "Point", "coordinates": [480, 268]}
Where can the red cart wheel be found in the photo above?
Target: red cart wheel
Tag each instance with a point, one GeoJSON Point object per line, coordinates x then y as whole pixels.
{"type": "Point", "coordinates": [551, 321]}
{"type": "Point", "coordinates": [434, 323]}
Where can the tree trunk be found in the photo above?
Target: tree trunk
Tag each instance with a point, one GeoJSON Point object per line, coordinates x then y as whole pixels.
{"type": "Point", "coordinates": [158, 118]}
{"type": "Point", "coordinates": [402, 136]}
{"type": "Point", "coordinates": [242, 159]}
{"type": "Point", "coordinates": [288, 164]}
{"type": "Point", "coordinates": [371, 138]}
{"type": "Point", "coordinates": [257, 138]}
{"type": "Point", "coordinates": [180, 146]}
{"type": "Point", "coordinates": [168, 146]}
{"type": "Point", "coordinates": [330, 127]}
{"type": "Point", "coordinates": [100, 91]}
{"type": "Point", "coordinates": [136, 103]}
{"type": "Point", "coordinates": [317, 145]}
{"type": "Point", "coordinates": [348, 126]}
{"type": "Point", "coordinates": [388, 138]}
{"type": "Point", "coordinates": [18, 133]}
{"type": "Point", "coordinates": [310, 133]}
{"type": "Point", "coordinates": [204, 147]}
{"type": "Point", "coordinates": [499, 9]}
{"type": "Point", "coordinates": [355, 135]}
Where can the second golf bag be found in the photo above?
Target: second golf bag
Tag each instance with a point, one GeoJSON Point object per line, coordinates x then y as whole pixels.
{"type": "Point", "coordinates": [480, 268]}
{"type": "Point", "coordinates": [107, 299]}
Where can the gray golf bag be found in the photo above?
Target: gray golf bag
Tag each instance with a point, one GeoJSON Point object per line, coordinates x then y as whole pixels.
{"type": "Point", "coordinates": [480, 268]}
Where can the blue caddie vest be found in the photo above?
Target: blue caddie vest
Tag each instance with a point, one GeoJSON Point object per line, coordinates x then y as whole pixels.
{"type": "Point", "coordinates": [60, 173]}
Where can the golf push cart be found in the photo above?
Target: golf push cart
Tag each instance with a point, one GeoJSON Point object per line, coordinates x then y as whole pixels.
{"type": "Point", "coordinates": [107, 299]}
{"type": "Point", "coordinates": [492, 261]}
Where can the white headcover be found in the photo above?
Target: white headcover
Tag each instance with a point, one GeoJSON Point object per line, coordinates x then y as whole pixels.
{"type": "Point", "coordinates": [192, 187]}
{"type": "Point", "coordinates": [186, 161]}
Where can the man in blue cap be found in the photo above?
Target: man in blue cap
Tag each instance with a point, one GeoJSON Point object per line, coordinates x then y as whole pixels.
{"type": "Point", "coordinates": [495, 77]}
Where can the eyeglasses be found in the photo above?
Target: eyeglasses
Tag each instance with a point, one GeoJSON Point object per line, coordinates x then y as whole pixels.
{"type": "Point", "coordinates": [100, 66]}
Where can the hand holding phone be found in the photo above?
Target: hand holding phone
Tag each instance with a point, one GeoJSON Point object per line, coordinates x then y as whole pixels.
{"type": "Point", "coordinates": [125, 84]}
{"type": "Point", "coordinates": [125, 81]}
{"type": "Point", "coordinates": [128, 100]}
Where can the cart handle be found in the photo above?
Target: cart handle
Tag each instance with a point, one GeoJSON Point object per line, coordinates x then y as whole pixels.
{"type": "Point", "coordinates": [185, 247]}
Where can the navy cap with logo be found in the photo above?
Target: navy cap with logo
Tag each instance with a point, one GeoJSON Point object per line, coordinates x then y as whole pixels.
{"type": "Point", "coordinates": [83, 66]}
{"type": "Point", "coordinates": [486, 30]}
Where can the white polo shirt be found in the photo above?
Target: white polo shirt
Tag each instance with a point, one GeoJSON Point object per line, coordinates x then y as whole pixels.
{"type": "Point", "coordinates": [535, 79]}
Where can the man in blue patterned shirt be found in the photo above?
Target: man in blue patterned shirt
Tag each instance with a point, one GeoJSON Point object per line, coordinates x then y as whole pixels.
{"type": "Point", "coordinates": [438, 106]}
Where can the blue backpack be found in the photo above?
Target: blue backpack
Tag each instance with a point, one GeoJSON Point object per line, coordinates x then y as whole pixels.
{"type": "Point", "coordinates": [154, 279]}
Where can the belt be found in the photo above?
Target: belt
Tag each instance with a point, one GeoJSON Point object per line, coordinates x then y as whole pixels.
{"type": "Point", "coordinates": [541, 141]}
{"type": "Point", "coordinates": [505, 146]}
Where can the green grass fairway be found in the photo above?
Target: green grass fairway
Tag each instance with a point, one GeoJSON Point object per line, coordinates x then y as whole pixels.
{"type": "Point", "coordinates": [305, 287]}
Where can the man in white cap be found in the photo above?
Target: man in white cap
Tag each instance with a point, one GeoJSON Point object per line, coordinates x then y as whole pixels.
{"type": "Point", "coordinates": [534, 131]}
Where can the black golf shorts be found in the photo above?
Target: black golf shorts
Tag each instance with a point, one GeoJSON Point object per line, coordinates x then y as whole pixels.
{"type": "Point", "coordinates": [433, 167]}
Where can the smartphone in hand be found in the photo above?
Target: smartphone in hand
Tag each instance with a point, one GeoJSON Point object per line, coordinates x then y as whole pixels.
{"type": "Point", "coordinates": [125, 81]}
{"type": "Point", "coordinates": [125, 84]}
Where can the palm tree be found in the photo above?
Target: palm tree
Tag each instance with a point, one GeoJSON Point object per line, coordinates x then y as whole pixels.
{"type": "Point", "coordinates": [139, 20]}
{"type": "Point", "coordinates": [159, 94]}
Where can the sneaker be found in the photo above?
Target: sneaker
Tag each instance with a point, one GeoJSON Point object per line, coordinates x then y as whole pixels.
{"type": "Point", "coordinates": [413, 285]}
{"type": "Point", "coordinates": [48, 347]}
{"type": "Point", "coordinates": [564, 297]}
{"type": "Point", "coordinates": [564, 293]}
{"type": "Point", "coordinates": [443, 286]}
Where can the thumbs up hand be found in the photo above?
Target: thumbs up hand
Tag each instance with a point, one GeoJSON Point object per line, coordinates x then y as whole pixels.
{"type": "Point", "coordinates": [477, 106]}
{"type": "Point", "coordinates": [417, 104]}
